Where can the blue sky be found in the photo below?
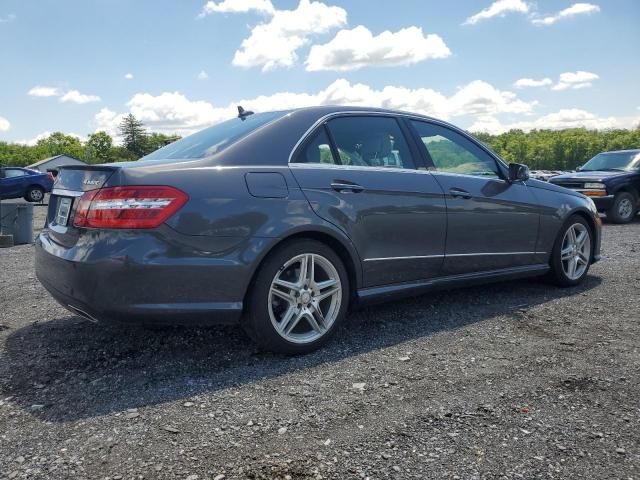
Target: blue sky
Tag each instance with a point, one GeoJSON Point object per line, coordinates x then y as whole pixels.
{"type": "Point", "coordinates": [64, 61]}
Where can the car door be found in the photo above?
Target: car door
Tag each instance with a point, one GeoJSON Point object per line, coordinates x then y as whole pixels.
{"type": "Point", "coordinates": [358, 172]}
{"type": "Point", "coordinates": [12, 185]}
{"type": "Point", "coordinates": [492, 223]}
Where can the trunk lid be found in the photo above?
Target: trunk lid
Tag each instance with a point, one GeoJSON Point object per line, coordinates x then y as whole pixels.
{"type": "Point", "coordinates": [71, 183]}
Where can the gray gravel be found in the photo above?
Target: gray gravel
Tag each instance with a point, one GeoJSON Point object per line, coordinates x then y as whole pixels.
{"type": "Point", "coordinates": [517, 380]}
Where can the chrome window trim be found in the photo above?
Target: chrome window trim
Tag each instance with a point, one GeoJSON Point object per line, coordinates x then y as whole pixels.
{"type": "Point", "coordinates": [356, 168]}
{"type": "Point", "coordinates": [412, 116]}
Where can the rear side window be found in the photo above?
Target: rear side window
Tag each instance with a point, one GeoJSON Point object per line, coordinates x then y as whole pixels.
{"type": "Point", "coordinates": [214, 139]}
{"type": "Point", "coordinates": [317, 149]}
{"type": "Point", "coordinates": [370, 142]}
{"type": "Point", "coordinates": [12, 173]}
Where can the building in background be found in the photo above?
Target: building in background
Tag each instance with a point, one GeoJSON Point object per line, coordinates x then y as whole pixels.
{"type": "Point", "coordinates": [52, 164]}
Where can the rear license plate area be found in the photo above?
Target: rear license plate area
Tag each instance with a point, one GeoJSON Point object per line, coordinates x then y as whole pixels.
{"type": "Point", "coordinates": [63, 211]}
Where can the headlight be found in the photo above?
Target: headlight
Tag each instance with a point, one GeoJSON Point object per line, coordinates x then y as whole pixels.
{"type": "Point", "coordinates": [595, 185]}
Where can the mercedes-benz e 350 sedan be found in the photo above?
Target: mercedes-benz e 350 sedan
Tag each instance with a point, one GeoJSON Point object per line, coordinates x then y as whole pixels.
{"type": "Point", "coordinates": [283, 220]}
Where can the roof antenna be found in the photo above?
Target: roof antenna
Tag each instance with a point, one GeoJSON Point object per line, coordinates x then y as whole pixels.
{"type": "Point", "coordinates": [243, 114]}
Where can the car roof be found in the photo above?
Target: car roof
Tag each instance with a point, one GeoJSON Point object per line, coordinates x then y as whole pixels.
{"type": "Point", "coordinates": [631, 150]}
{"type": "Point", "coordinates": [322, 110]}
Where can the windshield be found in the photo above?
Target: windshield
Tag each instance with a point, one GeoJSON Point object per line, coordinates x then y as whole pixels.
{"type": "Point", "coordinates": [613, 161]}
{"type": "Point", "coordinates": [214, 139]}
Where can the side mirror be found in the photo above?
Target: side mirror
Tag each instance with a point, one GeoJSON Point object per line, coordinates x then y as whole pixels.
{"type": "Point", "coordinates": [518, 172]}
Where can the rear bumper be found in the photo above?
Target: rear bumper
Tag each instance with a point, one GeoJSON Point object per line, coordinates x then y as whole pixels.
{"type": "Point", "coordinates": [140, 279]}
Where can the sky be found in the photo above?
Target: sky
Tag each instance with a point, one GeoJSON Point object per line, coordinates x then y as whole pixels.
{"type": "Point", "coordinates": [78, 66]}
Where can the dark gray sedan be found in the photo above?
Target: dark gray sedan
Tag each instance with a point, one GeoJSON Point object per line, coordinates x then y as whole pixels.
{"type": "Point", "coordinates": [283, 220]}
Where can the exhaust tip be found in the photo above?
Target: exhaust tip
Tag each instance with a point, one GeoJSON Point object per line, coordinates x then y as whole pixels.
{"type": "Point", "coordinates": [82, 313]}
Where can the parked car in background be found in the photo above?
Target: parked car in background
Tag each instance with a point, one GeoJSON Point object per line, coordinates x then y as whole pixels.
{"type": "Point", "coordinates": [544, 175]}
{"type": "Point", "coordinates": [282, 220]}
{"type": "Point", "coordinates": [612, 180]}
{"type": "Point", "coordinates": [24, 183]}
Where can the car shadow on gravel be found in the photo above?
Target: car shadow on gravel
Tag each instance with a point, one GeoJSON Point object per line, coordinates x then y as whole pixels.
{"type": "Point", "coordinates": [69, 369]}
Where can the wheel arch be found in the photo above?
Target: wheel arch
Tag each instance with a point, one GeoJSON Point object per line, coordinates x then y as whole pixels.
{"type": "Point", "coordinates": [341, 245]}
{"type": "Point", "coordinates": [628, 188]}
{"type": "Point", "coordinates": [588, 216]}
{"type": "Point", "coordinates": [33, 185]}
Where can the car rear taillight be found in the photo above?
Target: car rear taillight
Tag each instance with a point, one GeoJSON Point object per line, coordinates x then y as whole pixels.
{"type": "Point", "coordinates": [128, 207]}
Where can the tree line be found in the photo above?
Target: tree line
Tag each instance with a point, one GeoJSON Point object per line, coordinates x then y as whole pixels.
{"type": "Point", "coordinates": [540, 149]}
{"type": "Point", "coordinates": [559, 149]}
{"type": "Point", "coordinates": [99, 147]}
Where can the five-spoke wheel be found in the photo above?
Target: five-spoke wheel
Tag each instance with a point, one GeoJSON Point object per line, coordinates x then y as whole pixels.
{"type": "Point", "coordinates": [300, 294]}
{"type": "Point", "coordinates": [572, 253]}
{"type": "Point", "coordinates": [576, 251]}
{"type": "Point", "coordinates": [305, 298]}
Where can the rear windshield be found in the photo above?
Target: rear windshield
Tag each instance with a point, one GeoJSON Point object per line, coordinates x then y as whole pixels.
{"type": "Point", "coordinates": [214, 139]}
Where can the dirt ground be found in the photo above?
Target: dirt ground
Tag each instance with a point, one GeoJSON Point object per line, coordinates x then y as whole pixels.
{"type": "Point", "coordinates": [515, 380]}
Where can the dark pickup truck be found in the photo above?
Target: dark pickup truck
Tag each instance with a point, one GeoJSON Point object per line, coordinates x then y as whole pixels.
{"type": "Point", "coordinates": [611, 180]}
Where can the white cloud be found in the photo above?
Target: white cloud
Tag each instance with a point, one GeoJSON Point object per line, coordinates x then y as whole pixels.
{"type": "Point", "coordinates": [4, 124]}
{"type": "Point", "coordinates": [44, 92]}
{"type": "Point", "coordinates": [71, 96]}
{"type": "Point", "coordinates": [530, 82]}
{"type": "Point", "coordinates": [498, 8]}
{"type": "Point", "coordinates": [74, 96]}
{"type": "Point", "coordinates": [203, 75]}
{"type": "Point", "coordinates": [41, 136]}
{"type": "Point", "coordinates": [172, 112]}
{"type": "Point", "coordinates": [107, 121]}
{"type": "Point", "coordinates": [128, 76]}
{"type": "Point", "coordinates": [357, 48]}
{"type": "Point", "coordinates": [274, 44]}
{"type": "Point", "coordinates": [237, 6]}
{"type": "Point", "coordinates": [575, 9]}
{"type": "Point", "coordinates": [575, 80]}
{"type": "Point", "coordinates": [564, 118]}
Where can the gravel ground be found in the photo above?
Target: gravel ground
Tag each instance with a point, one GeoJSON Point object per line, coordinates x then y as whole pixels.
{"type": "Point", "coordinates": [517, 380]}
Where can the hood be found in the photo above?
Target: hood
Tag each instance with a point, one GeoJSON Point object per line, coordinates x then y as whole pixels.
{"type": "Point", "coordinates": [551, 187]}
{"type": "Point", "coordinates": [595, 175]}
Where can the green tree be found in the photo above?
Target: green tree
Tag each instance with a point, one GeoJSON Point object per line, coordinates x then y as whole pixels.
{"type": "Point", "coordinates": [60, 144]}
{"type": "Point", "coordinates": [133, 135]}
{"type": "Point", "coordinates": [154, 141]}
{"type": "Point", "coordinates": [100, 146]}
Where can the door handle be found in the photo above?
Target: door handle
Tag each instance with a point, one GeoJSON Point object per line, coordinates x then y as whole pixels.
{"type": "Point", "coordinates": [340, 186]}
{"type": "Point", "coordinates": [459, 193]}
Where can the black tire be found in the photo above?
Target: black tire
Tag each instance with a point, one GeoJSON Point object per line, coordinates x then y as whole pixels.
{"type": "Point", "coordinates": [620, 211]}
{"type": "Point", "coordinates": [34, 194]}
{"type": "Point", "coordinates": [557, 273]}
{"type": "Point", "coordinates": [257, 321]}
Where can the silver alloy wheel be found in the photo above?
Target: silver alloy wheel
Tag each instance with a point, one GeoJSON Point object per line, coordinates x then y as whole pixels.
{"type": "Point", "coordinates": [304, 298]}
{"type": "Point", "coordinates": [576, 251]}
{"type": "Point", "coordinates": [36, 195]}
{"type": "Point", "coordinates": [625, 208]}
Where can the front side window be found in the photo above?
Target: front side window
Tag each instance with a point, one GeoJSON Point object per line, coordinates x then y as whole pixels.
{"type": "Point", "coordinates": [454, 153]}
{"type": "Point", "coordinates": [370, 142]}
